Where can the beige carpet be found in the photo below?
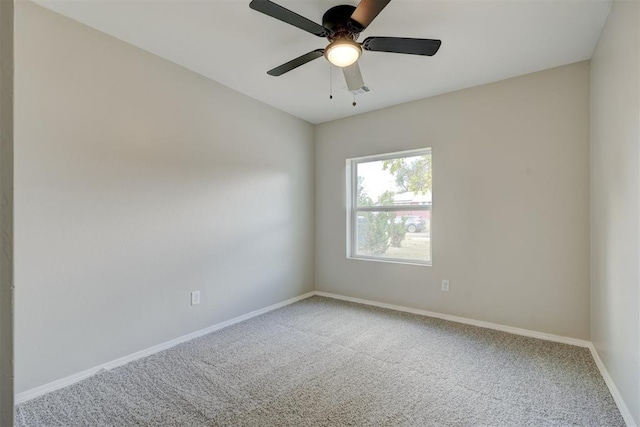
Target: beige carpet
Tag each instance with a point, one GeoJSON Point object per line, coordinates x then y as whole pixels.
{"type": "Point", "coordinates": [323, 362]}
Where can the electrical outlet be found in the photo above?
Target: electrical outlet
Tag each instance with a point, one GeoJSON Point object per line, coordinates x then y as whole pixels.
{"type": "Point", "coordinates": [195, 297]}
{"type": "Point", "coordinates": [445, 286]}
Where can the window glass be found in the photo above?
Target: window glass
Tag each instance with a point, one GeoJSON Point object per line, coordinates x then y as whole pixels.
{"type": "Point", "coordinates": [390, 207]}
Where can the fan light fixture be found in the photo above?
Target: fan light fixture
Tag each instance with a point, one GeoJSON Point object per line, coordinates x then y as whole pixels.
{"type": "Point", "coordinates": [343, 52]}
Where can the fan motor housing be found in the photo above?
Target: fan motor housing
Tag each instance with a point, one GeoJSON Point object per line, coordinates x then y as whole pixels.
{"type": "Point", "coordinates": [338, 20]}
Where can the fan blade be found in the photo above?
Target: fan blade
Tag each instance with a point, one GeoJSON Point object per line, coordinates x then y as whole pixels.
{"type": "Point", "coordinates": [353, 76]}
{"type": "Point", "coordinates": [295, 63]}
{"type": "Point", "coordinates": [367, 11]}
{"type": "Point", "coordinates": [285, 15]}
{"type": "Point", "coordinates": [426, 47]}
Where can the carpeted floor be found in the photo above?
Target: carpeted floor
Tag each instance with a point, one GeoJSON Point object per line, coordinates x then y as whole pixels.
{"type": "Point", "coordinates": [323, 362]}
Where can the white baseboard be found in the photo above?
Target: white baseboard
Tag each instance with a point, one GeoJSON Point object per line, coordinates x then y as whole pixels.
{"type": "Point", "coordinates": [71, 379]}
{"type": "Point", "coordinates": [466, 321]}
{"type": "Point", "coordinates": [66, 381]}
{"type": "Point", "coordinates": [615, 393]}
{"type": "Point", "coordinates": [624, 410]}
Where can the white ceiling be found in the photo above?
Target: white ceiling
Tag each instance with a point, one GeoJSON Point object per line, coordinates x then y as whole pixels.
{"type": "Point", "coordinates": [482, 41]}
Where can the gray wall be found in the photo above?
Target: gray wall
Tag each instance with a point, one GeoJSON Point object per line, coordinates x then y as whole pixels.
{"type": "Point", "coordinates": [6, 213]}
{"type": "Point", "coordinates": [136, 182]}
{"type": "Point", "coordinates": [615, 200]}
{"type": "Point", "coordinates": [510, 224]}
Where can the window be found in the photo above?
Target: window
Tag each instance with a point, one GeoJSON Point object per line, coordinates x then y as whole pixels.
{"type": "Point", "coordinates": [389, 207]}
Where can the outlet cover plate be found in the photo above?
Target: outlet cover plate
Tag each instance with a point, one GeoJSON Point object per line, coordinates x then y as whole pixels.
{"type": "Point", "coordinates": [195, 297]}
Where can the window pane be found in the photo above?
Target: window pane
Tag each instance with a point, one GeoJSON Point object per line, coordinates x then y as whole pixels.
{"type": "Point", "coordinates": [402, 235]}
{"type": "Point", "coordinates": [389, 207]}
{"type": "Point", "coordinates": [394, 182]}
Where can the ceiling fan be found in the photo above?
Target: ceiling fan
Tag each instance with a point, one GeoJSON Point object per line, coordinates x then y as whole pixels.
{"type": "Point", "coordinates": [342, 26]}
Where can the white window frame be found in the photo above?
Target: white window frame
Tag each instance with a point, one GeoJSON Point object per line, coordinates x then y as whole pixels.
{"type": "Point", "coordinates": [352, 209]}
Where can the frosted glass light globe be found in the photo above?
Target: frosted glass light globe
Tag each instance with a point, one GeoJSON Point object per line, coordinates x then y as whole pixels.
{"type": "Point", "coordinates": [343, 52]}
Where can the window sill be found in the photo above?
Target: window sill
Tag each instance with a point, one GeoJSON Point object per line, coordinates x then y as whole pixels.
{"type": "Point", "coordinates": [392, 261]}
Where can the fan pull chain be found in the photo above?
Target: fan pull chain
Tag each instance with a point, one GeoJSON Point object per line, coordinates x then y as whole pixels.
{"type": "Point", "coordinates": [330, 82]}
{"type": "Point", "coordinates": [354, 99]}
